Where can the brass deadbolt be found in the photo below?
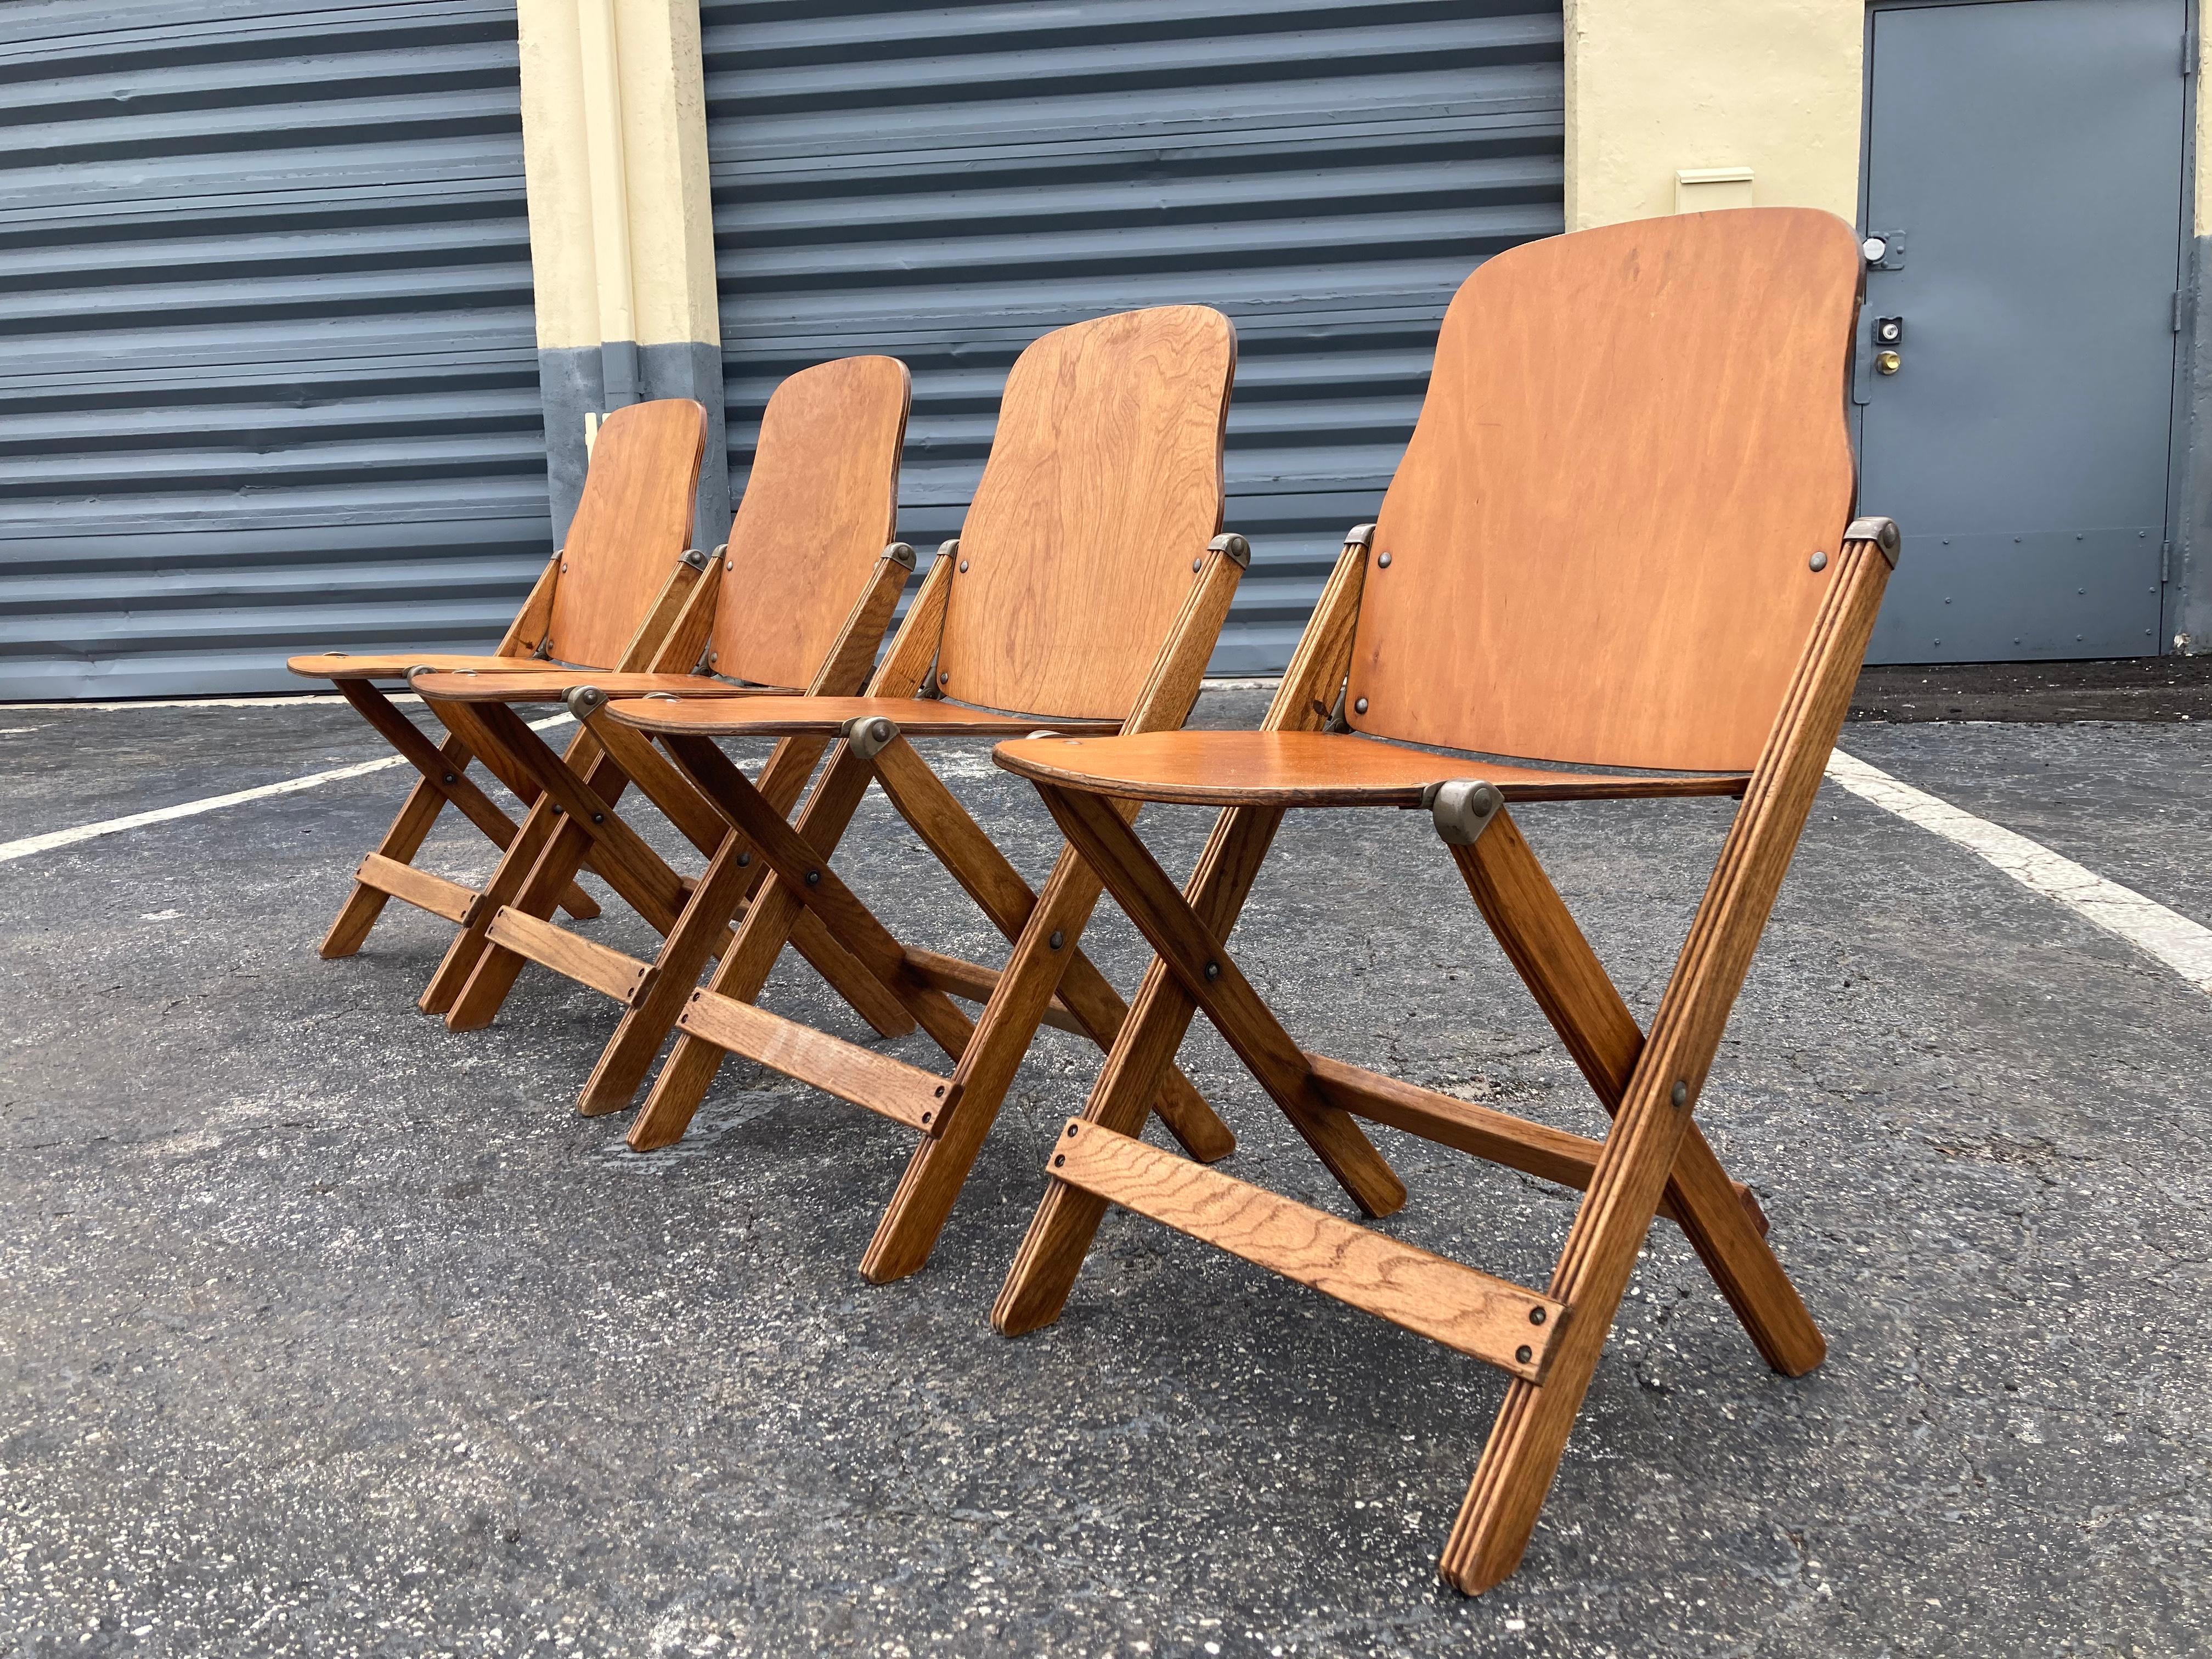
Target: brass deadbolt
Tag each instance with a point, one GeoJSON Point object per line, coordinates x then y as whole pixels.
{"type": "Point", "coordinates": [1887, 362]}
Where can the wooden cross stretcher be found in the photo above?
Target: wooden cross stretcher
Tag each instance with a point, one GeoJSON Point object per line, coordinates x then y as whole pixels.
{"type": "Point", "coordinates": [1617, 548]}
{"type": "Point", "coordinates": [1084, 591]}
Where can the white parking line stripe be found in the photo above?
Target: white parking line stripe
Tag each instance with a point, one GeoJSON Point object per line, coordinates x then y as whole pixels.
{"type": "Point", "coordinates": [54, 838]}
{"type": "Point", "coordinates": [2182, 945]}
{"type": "Point", "coordinates": [194, 703]}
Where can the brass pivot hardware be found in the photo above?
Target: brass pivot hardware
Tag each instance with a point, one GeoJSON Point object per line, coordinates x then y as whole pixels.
{"type": "Point", "coordinates": [869, 735]}
{"type": "Point", "coordinates": [1882, 532]}
{"type": "Point", "coordinates": [585, 700]}
{"type": "Point", "coordinates": [1462, 809]}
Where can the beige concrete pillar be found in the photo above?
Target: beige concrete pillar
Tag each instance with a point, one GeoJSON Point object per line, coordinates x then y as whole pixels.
{"type": "Point", "coordinates": [621, 247]}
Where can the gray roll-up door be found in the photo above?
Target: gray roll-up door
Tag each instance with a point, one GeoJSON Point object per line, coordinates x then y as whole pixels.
{"type": "Point", "coordinates": [268, 367]}
{"type": "Point", "coordinates": [946, 185]}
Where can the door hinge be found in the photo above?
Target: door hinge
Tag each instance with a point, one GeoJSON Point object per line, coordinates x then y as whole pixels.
{"type": "Point", "coordinates": [2189, 52]}
{"type": "Point", "coordinates": [2180, 309]}
{"type": "Point", "coordinates": [2165, 563]}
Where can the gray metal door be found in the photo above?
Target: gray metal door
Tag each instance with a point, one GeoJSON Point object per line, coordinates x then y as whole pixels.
{"type": "Point", "coordinates": [268, 371]}
{"type": "Point", "coordinates": [2024, 164]}
{"type": "Point", "coordinates": [947, 185]}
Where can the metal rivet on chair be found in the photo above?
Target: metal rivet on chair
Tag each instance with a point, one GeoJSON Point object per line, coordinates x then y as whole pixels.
{"type": "Point", "coordinates": [1071, 1132]}
{"type": "Point", "coordinates": [1058, 1159]}
{"type": "Point", "coordinates": [964, 565]}
{"type": "Point", "coordinates": [1681, 1095]}
{"type": "Point", "coordinates": [598, 817]}
{"type": "Point", "coordinates": [450, 778]}
{"type": "Point", "coordinates": [743, 859]}
{"type": "Point", "coordinates": [1213, 971]}
{"type": "Point", "coordinates": [1057, 939]}
{"type": "Point", "coordinates": [881, 730]}
{"type": "Point", "coordinates": [944, 679]}
{"type": "Point", "coordinates": [1819, 562]}
{"type": "Point", "coordinates": [1524, 1354]}
{"type": "Point", "coordinates": [813, 878]}
{"type": "Point", "coordinates": [1383, 562]}
{"type": "Point", "coordinates": [1359, 708]}
{"type": "Point", "coordinates": [1194, 563]}
{"type": "Point", "coordinates": [1535, 1316]}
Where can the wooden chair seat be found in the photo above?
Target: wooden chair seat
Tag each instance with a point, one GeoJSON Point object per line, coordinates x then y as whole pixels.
{"type": "Point", "coordinates": [394, 665]}
{"type": "Point", "coordinates": [917, 717]}
{"type": "Point", "coordinates": [553, 684]}
{"type": "Point", "coordinates": [1312, 768]}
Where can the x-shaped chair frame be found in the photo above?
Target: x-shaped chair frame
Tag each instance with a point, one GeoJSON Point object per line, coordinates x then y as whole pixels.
{"type": "Point", "coordinates": [575, 824]}
{"type": "Point", "coordinates": [1047, 978]}
{"type": "Point", "coordinates": [388, 870]}
{"type": "Point", "coordinates": [1653, 1162]}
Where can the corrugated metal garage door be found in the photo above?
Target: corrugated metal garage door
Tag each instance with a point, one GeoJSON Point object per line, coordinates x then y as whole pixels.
{"type": "Point", "coordinates": [944, 184]}
{"type": "Point", "coordinates": [268, 371]}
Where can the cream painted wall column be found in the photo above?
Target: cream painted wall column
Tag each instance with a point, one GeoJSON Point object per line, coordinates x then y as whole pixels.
{"type": "Point", "coordinates": [614, 135]}
{"type": "Point", "coordinates": [1674, 105]}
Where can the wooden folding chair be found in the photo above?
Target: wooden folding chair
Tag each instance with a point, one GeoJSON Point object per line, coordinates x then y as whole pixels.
{"type": "Point", "coordinates": [610, 598]}
{"type": "Point", "coordinates": [807, 584]}
{"type": "Point", "coordinates": [1084, 591]}
{"type": "Point", "coordinates": [1617, 550]}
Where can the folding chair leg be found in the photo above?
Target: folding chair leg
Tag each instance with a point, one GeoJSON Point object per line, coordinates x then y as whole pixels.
{"type": "Point", "coordinates": [998, 889]}
{"type": "Point", "coordinates": [698, 933]}
{"type": "Point", "coordinates": [1499, 1514]}
{"type": "Point", "coordinates": [690, 1070]}
{"type": "Point", "coordinates": [409, 830]}
{"type": "Point", "coordinates": [1555, 960]}
{"type": "Point", "coordinates": [1517, 1467]}
{"type": "Point", "coordinates": [443, 777]}
{"type": "Point", "coordinates": [1061, 1233]}
{"type": "Point", "coordinates": [940, 1166]}
{"type": "Point", "coordinates": [496, 969]}
{"type": "Point", "coordinates": [1197, 958]}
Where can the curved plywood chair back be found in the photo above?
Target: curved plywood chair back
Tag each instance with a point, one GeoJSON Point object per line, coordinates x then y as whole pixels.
{"type": "Point", "coordinates": [1602, 537]}
{"type": "Point", "coordinates": [1104, 486]}
{"type": "Point", "coordinates": [632, 524]}
{"type": "Point", "coordinates": [819, 508]}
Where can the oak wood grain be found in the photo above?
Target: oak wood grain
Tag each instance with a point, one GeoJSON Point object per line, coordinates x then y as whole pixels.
{"type": "Point", "coordinates": [1430, 1294]}
{"type": "Point", "coordinates": [1103, 485]}
{"type": "Point", "coordinates": [1312, 768]}
{"type": "Point", "coordinates": [1508, 1492]}
{"type": "Point", "coordinates": [820, 503]}
{"type": "Point", "coordinates": [633, 519]}
{"type": "Point", "coordinates": [1601, 533]}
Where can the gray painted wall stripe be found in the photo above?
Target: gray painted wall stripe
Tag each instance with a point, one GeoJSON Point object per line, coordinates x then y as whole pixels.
{"type": "Point", "coordinates": [573, 381]}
